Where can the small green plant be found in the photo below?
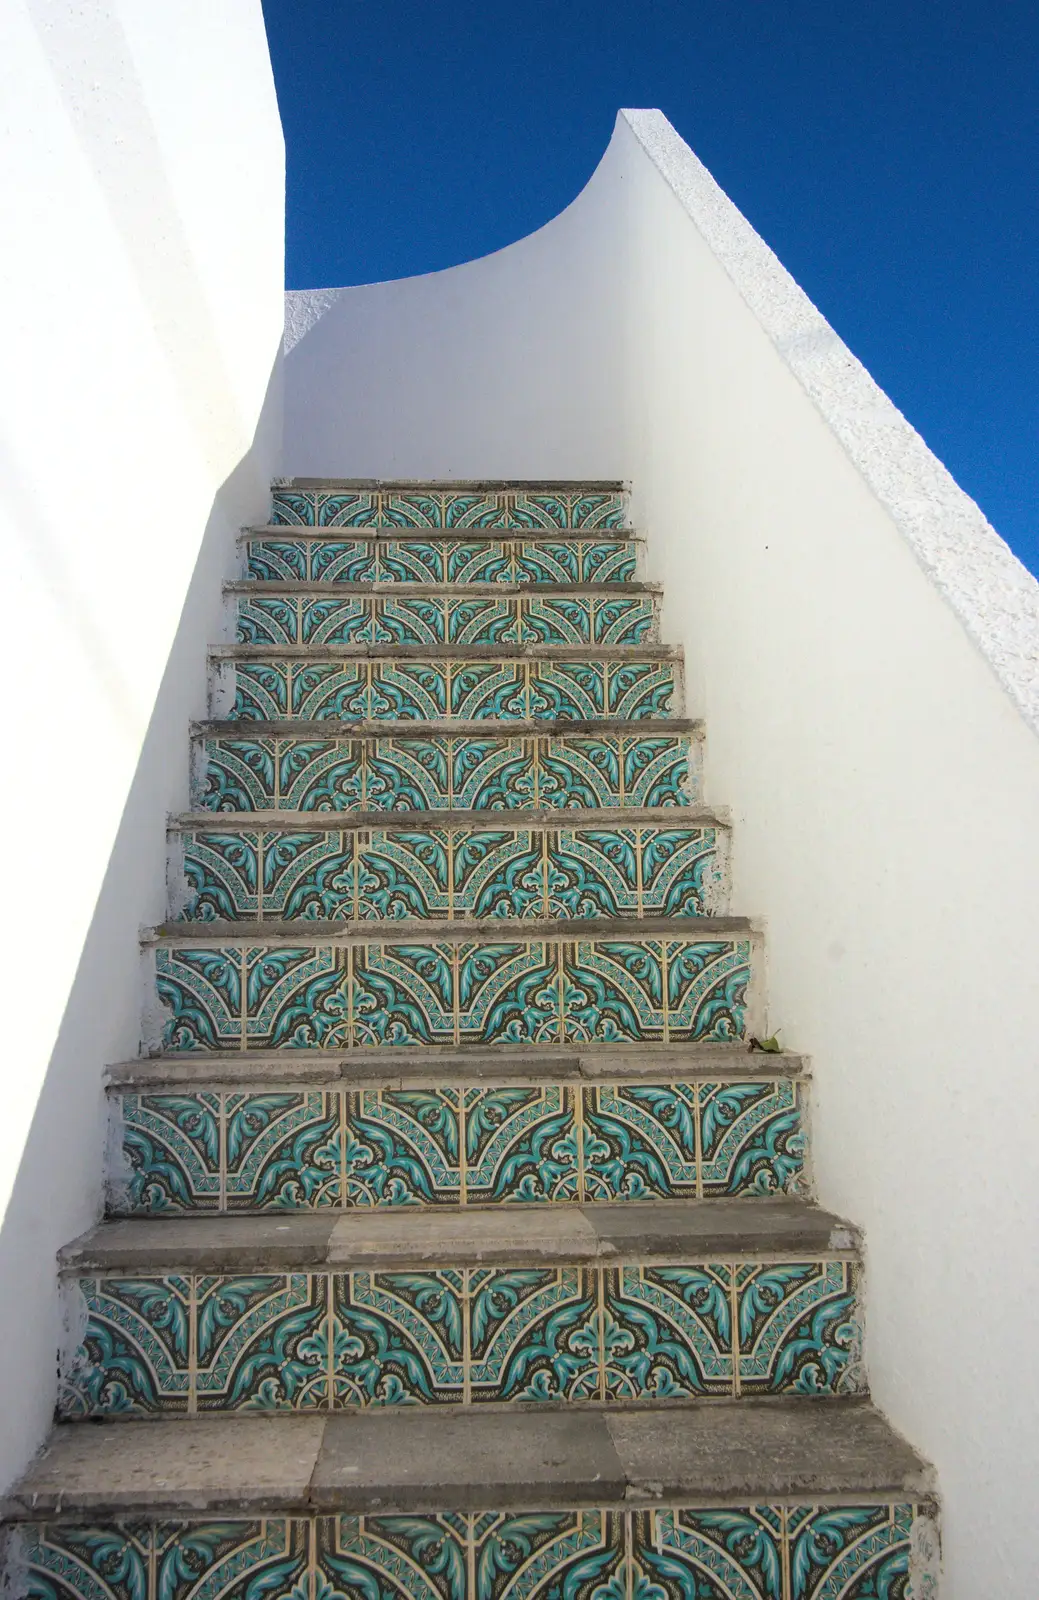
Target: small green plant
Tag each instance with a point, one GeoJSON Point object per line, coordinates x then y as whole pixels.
{"type": "Point", "coordinates": [770, 1046]}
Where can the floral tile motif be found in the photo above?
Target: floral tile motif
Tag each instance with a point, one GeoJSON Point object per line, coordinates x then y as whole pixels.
{"type": "Point", "coordinates": [450, 508]}
{"type": "Point", "coordinates": [667, 1332]}
{"type": "Point", "coordinates": [403, 1147]}
{"type": "Point", "coordinates": [536, 992]}
{"type": "Point", "coordinates": [398, 1338]}
{"type": "Point", "coordinates": [799, 1330]}
{"type": "Point", "coordinates": [283, 1151]}
{"type": "Point", "coordinates": [546, 1555]}
{"type": "Point", "coordinates": [393, 1557]}
{"type": "Point", "coordinates": [211, 1149]}
{"type": "Point", "coordinates": [438, 619]}
{"type": "Point", "coordinates": [521, 1144]}
{"type": "Point", "coordinates": [172, 1145]}
{"type": "Point", "coordinates": [407, 690]}
{"type": "Point", "coordinates": [534, 1333]}
{"type": "Point", "coordinates": [321, 1340]}
{"type": "Point", "coordinates": [473, 772]}
{"type": "Point", "coordinates": [752, 1138]}
{"type": "Point", "coordinates": [442, 559]}
{"type": "Point", "coordinates": [134, 1355]}
{"type": "Point", "coordinates": [449, 873]}
{"type": "Point", "coordinates": [749, 1552]}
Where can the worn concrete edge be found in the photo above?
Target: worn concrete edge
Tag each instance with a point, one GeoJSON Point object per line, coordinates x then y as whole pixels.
{"type": "Point", "coordinates": [415, 930]}
{"type": "Point", "coordinates": [377, 532]}
{"type": "Point", "coordinates": [539, 819]}
{"type": "Point", "coordinates": [995, 597]}
{"type": "Point", "coordinates": [336, 728]}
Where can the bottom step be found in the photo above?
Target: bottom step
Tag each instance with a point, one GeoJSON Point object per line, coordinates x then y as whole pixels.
{"type": "Point", "coordinates": [718, 1502]}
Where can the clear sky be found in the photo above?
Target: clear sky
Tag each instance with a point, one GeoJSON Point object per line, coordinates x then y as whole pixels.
{"type": "Point", "coordinates": [888, 152]}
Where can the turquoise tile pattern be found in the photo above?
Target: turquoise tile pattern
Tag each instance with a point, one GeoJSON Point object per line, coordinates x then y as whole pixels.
{"type": "Point", "coordinates": [548, 990]}
{"type": "Point", "coordinates": [488, 770]}
{"type": "Point", "coordinates": [462, 507]}
{"type": "Point", "coordinates": [458, 871]}
{"type": "Point", "coordinates": [739, 1552]}
{"type": "Point", "coordinates": [213, 1150]}
{"type": "Point", "coordinates": [161, 1345]}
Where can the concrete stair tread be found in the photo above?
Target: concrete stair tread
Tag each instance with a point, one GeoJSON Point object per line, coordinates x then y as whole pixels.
{"type": "Point", "coordinates": [368, 727]}
{"type": "Point", "coordinates": [693, 816]}
{"type": "Point", "coordinates": [445, 652]}
{"type": "Point", "coordinates": [496, 930]}
{"type": "Point", "coordinates": [384, 1066]}
{"type": "Point", "coordinates": [405, 1236]}
{"type": "Point", "coordinates": [460, 485]}
{"type": "Point", "coordinates": [381, 532]}
{"type": "Point", "coordinates": [708, 1453]}
{"type": "Point", "coordinates": [464, 591]}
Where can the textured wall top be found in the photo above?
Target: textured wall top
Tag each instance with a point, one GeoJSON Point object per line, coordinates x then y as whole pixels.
{"type": "Point", "coordinates": [995, 597]}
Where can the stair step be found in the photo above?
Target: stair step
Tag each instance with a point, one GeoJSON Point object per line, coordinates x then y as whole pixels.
{"type": "Point", "coordinates": [518, 506]}
{"type": "Point", "coordinates": [418, 765]}
{"type": "Point", "coordinates": [283, 1148]}
{"type": "Point", "coordinates": [449, 865]}
{"type": "Point", "coordinates": [610, 1303]}
{"type": "Point", "coordinates": [232, 986]}
{"type": "Point", "coordinates": [358, 555]}
{"type": "Point", "coordinates": [436, 614]}
{"type": "Point", "coordinates": [432, 682]}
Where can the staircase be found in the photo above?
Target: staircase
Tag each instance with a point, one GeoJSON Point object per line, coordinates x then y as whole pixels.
{"type": "Point", "coordinates": [459, 1246]}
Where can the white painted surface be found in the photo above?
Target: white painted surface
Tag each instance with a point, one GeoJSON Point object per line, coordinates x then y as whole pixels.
{"type": "Point", "coordinates": [865, 650]}
{"type": "Point", "coordinates": [141, 275]}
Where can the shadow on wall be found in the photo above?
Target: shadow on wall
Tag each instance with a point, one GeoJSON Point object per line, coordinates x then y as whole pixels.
{"type": "Point", "coordinates": [102, 1018]}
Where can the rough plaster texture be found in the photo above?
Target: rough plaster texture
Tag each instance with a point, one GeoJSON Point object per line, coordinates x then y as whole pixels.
{"type": "Point", "coordinates": [142, 282]}
{"type": "Point", "coordinates": [863, 647]}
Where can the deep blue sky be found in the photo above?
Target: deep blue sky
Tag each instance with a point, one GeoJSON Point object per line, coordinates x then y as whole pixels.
{"type": "Point", "coordinates": [887, 151]}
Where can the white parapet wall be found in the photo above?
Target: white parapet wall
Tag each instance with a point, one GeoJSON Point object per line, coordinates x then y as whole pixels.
{"type": "Point", "coordinates": [866, 652]}
{"type": "Point", "coordinates": [142, 179]}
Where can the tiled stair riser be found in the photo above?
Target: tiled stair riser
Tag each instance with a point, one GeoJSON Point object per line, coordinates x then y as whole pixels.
{"type": "Point", "coordinates": [331, 1340]}
{"type": "Point", "coordinates": [378, 558]}
{"type": "Point", "coordinates": [438, 619]}
{"type": "Point", "coordinates": [633, 686]}
{"type": "Point", "coordinates": [492, 770]}
{"type": "Point", "coordinates": [219, 1150]}
{"type": "Point", "coordinates": [446, 872]}
{"type": "Point", "coordinates": [549, 990]}
{"type": "Point", "coordinates": [672, 1552]}
{"type": "Point", "coordinates": [474, 506]}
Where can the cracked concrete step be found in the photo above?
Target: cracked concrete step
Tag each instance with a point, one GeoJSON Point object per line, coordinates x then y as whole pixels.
{"type": "Point", "coordinates": [212, 1138]}
{"type": "Point", "coordinates": [424, 765]}
{"type": "Point", "coordinates": [449, 865]}
{"type": "Point", "coordinates": [377, 614]}
{"type": "Point", "coordinates": [386, 1067]}
{"type": "Point", "coordinates": [410, 1237]}
{"type": "Point", "coordinates": [716, 1454]}
{"type": "Point", "coordinates": [564, 1306]}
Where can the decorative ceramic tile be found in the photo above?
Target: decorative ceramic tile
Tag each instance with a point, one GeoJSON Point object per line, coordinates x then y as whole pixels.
{"type": "Point", "coordinates": [438, 619]}
{"type": "Point", "coordinates": [441, 559]}
{"type": "Point", "coordinates": [749, 1552]}
{"type": "Point", "coordinates": [534, 1333]}
{"type": "Point", "coordinates": [263, 1342]}
{"type": "Point", "coordinates": [450, 508]}
{"type": "Point", "coordinates": [134, 1354]}
{"type": "Point", "coordinates": [403, 1147]}
{"type": "Point", "coordinates": [798, 1327]}
{"type": "Point", "coordinates": [752, 1138]}
{"type": "Point", "coordinates": [398, 1339]}
{"type": "Point", "coordinates": [283, 1151]}
{"type": "Point", "coordinates": [530, 992]}
{"type": "Point", "coordinates": [521, 1144]}
{"type": "Point", "coordinates": [640, 1141]}
{"type": "Point", "coordinates": [473, 772]}
{"type": "Point", "coordinates": [211, 1149]}
{"type": "Point", "coordinates": [667, 1332]}
{"type": "Point", "coordinates": [172, 1145]}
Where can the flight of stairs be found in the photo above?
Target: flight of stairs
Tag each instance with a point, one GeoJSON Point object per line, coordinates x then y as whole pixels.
{"type": "Point", "coordinates": [459, 1244]}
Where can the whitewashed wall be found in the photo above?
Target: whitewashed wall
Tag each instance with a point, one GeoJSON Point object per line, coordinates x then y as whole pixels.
{"type": "Point", "coordinates": [865, 650]}
{"type": "Point", "coordinates": [142, 180]}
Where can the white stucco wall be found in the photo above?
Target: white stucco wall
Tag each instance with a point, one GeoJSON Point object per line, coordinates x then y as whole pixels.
{"type": "Point", "coordinates": [866, 652]}
{"type": "Point", "coordinates": [142, 178]}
